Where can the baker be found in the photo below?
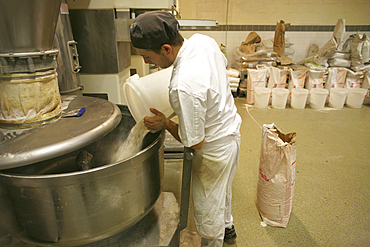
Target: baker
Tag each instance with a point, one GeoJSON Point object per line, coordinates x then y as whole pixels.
{"type": "Point", "coordinates": [200, 95]}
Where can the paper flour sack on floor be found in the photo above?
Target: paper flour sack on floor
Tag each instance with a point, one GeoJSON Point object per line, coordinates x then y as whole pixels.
{"type": "Point", "coordinates": [275, 187]}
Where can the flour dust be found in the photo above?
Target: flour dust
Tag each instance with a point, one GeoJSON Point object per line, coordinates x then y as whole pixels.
{"type": "Point", "coordinates": [133, 142]}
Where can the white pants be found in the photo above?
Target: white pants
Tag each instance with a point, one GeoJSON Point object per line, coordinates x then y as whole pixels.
{"type": "Point", "coordinates": [214, 168]}
{"type": "Point", "coordinates": [212, 242]}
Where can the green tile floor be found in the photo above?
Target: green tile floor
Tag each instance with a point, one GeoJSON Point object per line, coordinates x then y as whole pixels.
{"type": "Point", "coordinates": [331, 203]}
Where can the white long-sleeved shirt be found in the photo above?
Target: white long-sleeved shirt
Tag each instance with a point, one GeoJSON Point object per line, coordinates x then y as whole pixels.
{"type": "Point", "coordinates": [200, 93]}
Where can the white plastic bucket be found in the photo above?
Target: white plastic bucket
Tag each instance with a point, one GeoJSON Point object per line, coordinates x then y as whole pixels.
{"type": "Point", "coordinates": [318, 97]}
{"type": "Point", "coordinates": [262, 96]}
{"type": "Point", "coordinates": [279, 97]}
{"type": "Point", "coordinates": [299, 98]}
{"type": "Point", "coordinates": [356, 97]}
{"type": "Point", "coordinates": [147, 92]}
{"type": "Point", "coordinates": [337, 97]}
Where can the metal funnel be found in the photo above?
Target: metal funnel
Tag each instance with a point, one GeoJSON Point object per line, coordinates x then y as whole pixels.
{"type": "Point", "coordinates": [27, 25]}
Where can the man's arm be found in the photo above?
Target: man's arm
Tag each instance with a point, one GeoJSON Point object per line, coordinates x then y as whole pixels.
{"type": "Point", "coordinates": [159, 121]}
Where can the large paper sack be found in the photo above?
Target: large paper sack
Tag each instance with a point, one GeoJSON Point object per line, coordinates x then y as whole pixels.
{"type": "Point", "coordinates": [276, 178]}
{"type": "Point", "coordinates": [256, 78]}
{"type": "Point", "coordinates": [336, 77]}
{"type": "Point", "coordinates": [297, 77]}
{"type": "Point", "coordinates": [366, 85]}
{"type": "Point", "coordinates": [279, 39]}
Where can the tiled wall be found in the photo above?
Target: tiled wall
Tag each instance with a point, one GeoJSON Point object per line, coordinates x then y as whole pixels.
{"type": "Point", "coordinates": [268, 12]}
{"type": "Point", "coordinates": [301, 40]}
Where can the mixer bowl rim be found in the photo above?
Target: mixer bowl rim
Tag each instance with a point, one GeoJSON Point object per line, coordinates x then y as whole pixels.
{"type": "Point", "coordinates": [77, 173]}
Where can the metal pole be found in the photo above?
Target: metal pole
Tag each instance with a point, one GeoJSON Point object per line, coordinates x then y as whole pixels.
{"type": "Point", "coordinates": [185, 188]}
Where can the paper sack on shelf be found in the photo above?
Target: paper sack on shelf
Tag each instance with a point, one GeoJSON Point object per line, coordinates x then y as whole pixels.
{"type": "Point", "coordinates": [275, 187]}
{"type": "Point", "coordinates": [366, 85]}
{"type": "Point", "coordinates": [279, 39]}
{"type": "Point", "coordinates": [256, 78]}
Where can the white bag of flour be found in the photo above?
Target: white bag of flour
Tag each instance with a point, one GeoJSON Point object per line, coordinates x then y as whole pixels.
{"type": "Point", "coordinates": [275, 186]}
{"type": "Point", "coordinates": [315, 79]}
{"type": "Point", "coordinates": [277, 77]}
{"type": "Point", "coordinates": [354, 79]}
{"type": "Point", "coordinates": [297, 78]}
{"type": "Point", "coordinates": [340, 32]}
{"type": "Point", "coordinates": [256, 78]}
{"type": "Point", "coordinates": [366, 85]}
{"type": "Point", "coordinates": [336, 77]}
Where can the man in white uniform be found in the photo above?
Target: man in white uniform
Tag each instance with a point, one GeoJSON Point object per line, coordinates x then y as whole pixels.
{"type": "Point", "coordinates": [201, 97]}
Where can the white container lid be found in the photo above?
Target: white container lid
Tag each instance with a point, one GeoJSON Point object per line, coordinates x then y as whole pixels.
{"type": "Point", "coordinates": [300, 90]}
{"type": "Point", "coordinates": [280, 91]}
{"type": "Point", "coordinates": [341, 91]}
{"type": "Point", "coordinates": [262, 90]}
{"type": "Point", "coordinates": [319, 91]}
{"type": "Point", "coordinates": [361, 91]}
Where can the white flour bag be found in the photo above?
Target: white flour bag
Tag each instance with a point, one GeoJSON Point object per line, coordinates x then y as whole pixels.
{"type": "Point", "coordinates": [340, 32]}
{"type": "Point", "coordinates": [354, 79]}
{"type": "Point", "coordinates": [256, 78]}
{"type": "Point", "coordinates": [336, 77]}
{"type": "Point", "coordinates": [315, 79]}
{"type": "Point", "coordinates": [275, 187]}
{"type": "Point", "coordinates": [277, 77]}
{"type": "Point", "coordinates": [297, 78]}
{"type": "Point", "coordinates": [366, 85]}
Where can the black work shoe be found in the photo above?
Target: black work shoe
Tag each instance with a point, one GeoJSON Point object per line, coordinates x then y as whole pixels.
{"type": "Point", "coordinates": [230, 235]}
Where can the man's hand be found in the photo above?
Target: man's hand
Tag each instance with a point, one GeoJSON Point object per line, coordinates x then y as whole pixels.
{"type": "Point", "coordinates": [159, 121]}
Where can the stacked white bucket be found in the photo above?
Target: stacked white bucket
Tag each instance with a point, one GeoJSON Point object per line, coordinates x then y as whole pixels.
{"type": "Point", "coordinates": [334, 86]}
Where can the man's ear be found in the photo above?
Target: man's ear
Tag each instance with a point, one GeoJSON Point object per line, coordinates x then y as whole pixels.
{"type": "Point", "coordinates": [167, 48]}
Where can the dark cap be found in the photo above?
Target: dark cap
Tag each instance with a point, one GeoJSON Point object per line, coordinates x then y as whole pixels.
{"type": "Point", "coordinates": [153, 29]}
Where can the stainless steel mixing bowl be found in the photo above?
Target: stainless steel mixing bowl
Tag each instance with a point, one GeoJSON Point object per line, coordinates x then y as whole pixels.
{"type": "Point", "coordinates": [51, 203]}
